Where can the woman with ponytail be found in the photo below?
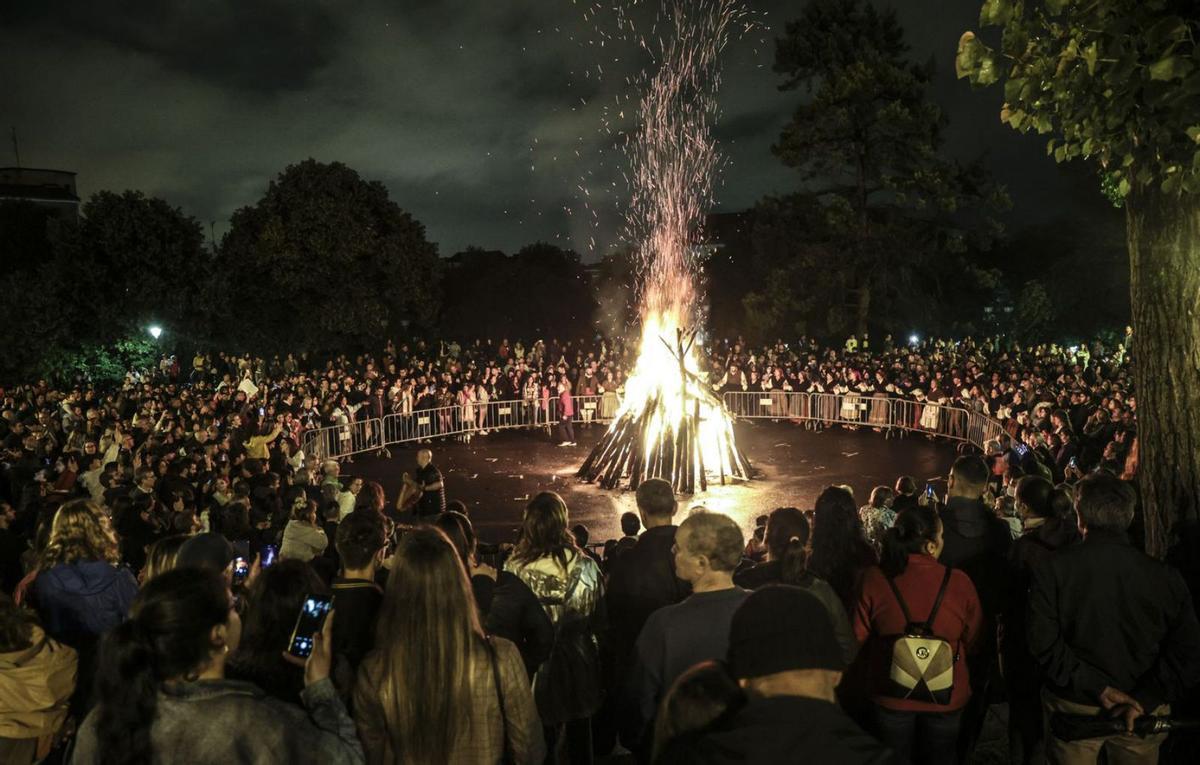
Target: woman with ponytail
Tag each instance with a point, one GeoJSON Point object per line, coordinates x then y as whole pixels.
{"type": "Point", "coordinates": [787, 563]}
{"type": "Point", "coordinates": [162, 695]}
{"type": "Point", "coordinates": [910, 580]}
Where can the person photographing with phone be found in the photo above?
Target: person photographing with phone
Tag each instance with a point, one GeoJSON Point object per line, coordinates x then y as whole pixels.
{"type": "Point", "coordinates": [165, 698]}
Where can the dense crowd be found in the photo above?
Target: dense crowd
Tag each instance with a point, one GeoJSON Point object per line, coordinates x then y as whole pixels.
{"type": "Point", "coordinates": [160, 540]}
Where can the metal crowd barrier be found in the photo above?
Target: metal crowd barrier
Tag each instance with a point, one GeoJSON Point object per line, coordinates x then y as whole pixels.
{"type": "Point", "coordinates": [893, 416]}
{"type": "Point", "coordinates": [459, 421]}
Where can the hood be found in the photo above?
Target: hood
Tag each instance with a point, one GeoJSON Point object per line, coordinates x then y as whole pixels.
{"type": "Point", "coordinates": [1057, 532]}
{"type": "Point", "coordinates": [83, 577]}
{"type": "Point", "coordinates": [25, 655]}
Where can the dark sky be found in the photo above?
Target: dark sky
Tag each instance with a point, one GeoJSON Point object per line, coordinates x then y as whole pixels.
{"type": "Point", "coordinates": [477, 114]}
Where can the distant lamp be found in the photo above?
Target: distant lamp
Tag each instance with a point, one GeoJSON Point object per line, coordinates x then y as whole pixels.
{"type": "Point", "coordinates": [155, 331]}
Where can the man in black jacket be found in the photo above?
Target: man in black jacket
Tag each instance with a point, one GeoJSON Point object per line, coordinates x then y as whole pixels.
{"type": "Point", "coordinates": [640, 582]}
{"type": "Point", "coordinates": [977, 542]}
{"type": "Point", "coordinates": [1111, 627]}
{"type": "Point", "coordinates": [783, 654]}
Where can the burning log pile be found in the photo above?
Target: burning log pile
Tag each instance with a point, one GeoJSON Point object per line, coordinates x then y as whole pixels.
{"type": "Point", "coordinates": [680, 433]}
{"type": "Point", "coordinates": [671, 425]}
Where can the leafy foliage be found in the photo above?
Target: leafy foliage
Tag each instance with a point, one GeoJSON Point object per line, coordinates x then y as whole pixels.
{"type": "Point", "coordinates": [1117, 81]}
{"type": "Point", "coordinates": [481, 287]}
{"type": "Point", "coordinates": [325, 260]}
{"type": "Point", "coordinates": [78, 287]}
{"type": "Point", "coordinates": [883, 218]}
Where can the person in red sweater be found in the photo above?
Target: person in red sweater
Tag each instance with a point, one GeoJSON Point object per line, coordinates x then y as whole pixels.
{"type": "Point", "coordinates": [922, 731]}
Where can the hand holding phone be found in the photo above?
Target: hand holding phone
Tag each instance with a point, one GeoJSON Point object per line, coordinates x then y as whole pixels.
{"type": "Point", "coordinates": [241, 570]}
{"type": "Point", "coordinates": [267, 556]}
{"type": "Point", "coordinates": [309, 623]}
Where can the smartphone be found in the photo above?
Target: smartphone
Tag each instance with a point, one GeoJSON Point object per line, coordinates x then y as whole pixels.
{"type": "Point", "coordinates": [313, 611]}
{"type": "Point", "coordinates": [266, 556]}
{"type": "Point", "coordinates": [262, 410]}
{"type": "Point", "coordinates": [1021, 449]}
{"type": "Point", "coordinates": [1072, 463]}
{"type": "Point", "coordinates": [929, 493]}
{"type": "Point", "coordinates": [241, 569]}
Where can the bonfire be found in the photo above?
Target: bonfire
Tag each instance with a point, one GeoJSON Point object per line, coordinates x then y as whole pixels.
{"type": "Point", "coordinates": [671, 424]}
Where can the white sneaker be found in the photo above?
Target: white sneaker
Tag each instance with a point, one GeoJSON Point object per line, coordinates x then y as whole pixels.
{"type": "Point", "coordinates": [565, 443]}
{"type": "Point", "coordinates": [572, 443]}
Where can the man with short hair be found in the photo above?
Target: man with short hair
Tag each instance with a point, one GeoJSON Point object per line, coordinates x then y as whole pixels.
{"type": "Point", "coordinates": [783, 654]}
{"type": "Point", "coordinates": [1110, 628]}
{"type": "Point", "coordinates": [433, 489]}
{"type": "Point", "coordinates": [360, 543]}
{"type": "Point", "coordinates": [644, 580]}
{"type": "Point", "coordinates": [977, 542]}
{"type": "Point", "coordinates": [708, 548]}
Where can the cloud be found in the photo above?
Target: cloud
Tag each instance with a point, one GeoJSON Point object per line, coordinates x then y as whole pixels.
{"type": "Point", "coordinates": [494, 123]}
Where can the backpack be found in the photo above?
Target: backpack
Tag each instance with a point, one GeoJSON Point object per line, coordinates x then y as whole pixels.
{"type": "Point", "coordinates": [922, 667]}
{"type": "Point", "coordinates": [567, 685]}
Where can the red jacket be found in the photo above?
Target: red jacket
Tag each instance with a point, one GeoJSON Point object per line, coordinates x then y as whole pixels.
{"type": "Point", "coordinates": [878, 619]}
{"type": "Point", "coordinates": [566, 404]}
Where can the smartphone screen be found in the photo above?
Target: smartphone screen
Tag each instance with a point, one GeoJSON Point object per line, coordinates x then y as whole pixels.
{"type": "Point", "coordinates": [308, 623]}
{"type": "Point", "coordinates": [929, 490]}
{"type": "Point", "coordinates": [241, 569]}
{"type": "Point", "coordinates": [267, 556]}
{"type": "Point", "coordinates": [1072, 463]}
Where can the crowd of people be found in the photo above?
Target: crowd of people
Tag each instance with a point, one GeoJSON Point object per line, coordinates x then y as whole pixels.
{"type": "Point", "coordinates": [159, 541]}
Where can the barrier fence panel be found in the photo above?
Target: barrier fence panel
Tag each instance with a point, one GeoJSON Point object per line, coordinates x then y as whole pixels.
{"type": "Point", "coordinates": [874, 411]}
{"type": "Point", "coordinates": [851, 409]}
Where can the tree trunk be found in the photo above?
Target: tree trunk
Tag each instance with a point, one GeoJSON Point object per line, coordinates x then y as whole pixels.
{"type": "Point", "coordinates": [863, 307]}
{"type": "Point", "coordinates": [1164, 263]}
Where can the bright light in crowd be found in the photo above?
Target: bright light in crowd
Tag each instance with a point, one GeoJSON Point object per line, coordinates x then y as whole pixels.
{"type": "Point", "coordinates": [913, 340]}
{"type": "Point", "coordinates": [155, 331]}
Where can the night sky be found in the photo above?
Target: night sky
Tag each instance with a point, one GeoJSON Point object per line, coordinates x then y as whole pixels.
{"type": "Point", "coordinates": [477, 114]}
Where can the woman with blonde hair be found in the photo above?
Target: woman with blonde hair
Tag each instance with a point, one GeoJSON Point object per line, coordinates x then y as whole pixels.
{"type": "Point", "coordinates": [569, 586]}
{"type": "Point", "coordinates": [436, 689]}
{"type": "Point", "coordinates": [81, 590]}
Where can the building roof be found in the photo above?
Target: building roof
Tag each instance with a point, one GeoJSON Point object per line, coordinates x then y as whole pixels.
{"type": "Point", "coordinates": [37, 193]}
{"type": "Point", "coordinates": [37, 170]}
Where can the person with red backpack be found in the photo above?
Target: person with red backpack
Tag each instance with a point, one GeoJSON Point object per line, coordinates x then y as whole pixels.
{"type": "Point", "coordinates": [918, 619]}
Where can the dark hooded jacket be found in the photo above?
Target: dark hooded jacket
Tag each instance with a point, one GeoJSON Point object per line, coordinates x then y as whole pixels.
{"type": "Point", "coordinates": [80, 601]}
{"type": "Point", "coordinates": [977, 543]}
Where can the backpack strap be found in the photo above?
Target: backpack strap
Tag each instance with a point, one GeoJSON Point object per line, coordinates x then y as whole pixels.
{"type": "Point", "coordinates": [903, 606]}
{"type": "Point", "coordinates": [938, 603]}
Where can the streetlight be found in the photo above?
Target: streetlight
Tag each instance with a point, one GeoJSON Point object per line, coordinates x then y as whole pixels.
{"type": "Point", "coordinates": [155, 331]}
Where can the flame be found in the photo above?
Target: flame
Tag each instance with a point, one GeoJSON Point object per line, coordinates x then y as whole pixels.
{"type": "Point", "coordinates": [684, 430]}
{"type": "Point", "coordinates": [656, 380]}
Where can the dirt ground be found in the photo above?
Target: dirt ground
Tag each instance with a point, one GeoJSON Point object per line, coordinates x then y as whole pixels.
{"type": "Point", "coordinates": [495, 475]}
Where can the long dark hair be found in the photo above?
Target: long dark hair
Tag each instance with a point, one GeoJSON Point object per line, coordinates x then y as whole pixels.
{"type": "Point", "coordinates": [787, 539]}
{"type": "Point", "coordinates": [544, 531]}
{"type": "Point", "coordinates": [272, 604]}
{"type": "Point", "coordinates": [839, 550]}
{"type": "Point", "coordinates": [914, 528]}
{"type": "Point", "coordinates": [167, 635]}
